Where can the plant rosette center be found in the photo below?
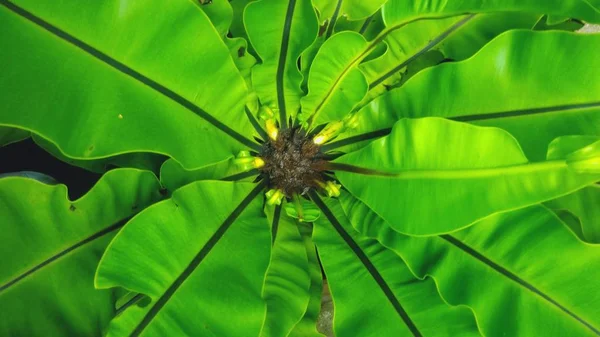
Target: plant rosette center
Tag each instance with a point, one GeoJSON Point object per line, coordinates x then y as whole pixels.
{"type": "Point", "coordinates": [292, 162]}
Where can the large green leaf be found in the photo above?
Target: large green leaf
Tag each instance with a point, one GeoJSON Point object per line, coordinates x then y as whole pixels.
{"type": "Point", "coordinates": [150, 80]}
{"type": "Point", "coordinates": [287, 283]}
{"type": "Point", "coordinates": [221, 14]}
{"type": "Point", "coordinates": [200, 256]}
{"type": "Point", "coordinates": [174, 176]}
{"type": "Point", "coordinates": [369, 281]}
{"type": "Point", "coordinates": [307, 327]}
{"type": "Point", "coordinates": [335, 84]}
{"type": "Point", "coordinates": [279, 32]}
{"type": "Point", "coordinates": [352, 9]}
{"type": "Point", "coordinates": [507, 269]}
{"type": "Point", "coordinates": [457, 38]}
{"type": "Point", "coordinates": [536, 93]}
{"type": "Point", "coordinates": [482, 28]}
{"type": "Point", "coordinates": [10, 135]}
{"type": "Point", "coordinates": [584, 204]}
{"type": "Point", "coordinates": [396, 11]}
{"type": "Point", "coordinates": [404, 45]}
{"type": "Point", "coordinates": [50, 246]}
{"type": "Point", "coordinates": [139, 160]}
{"type": "Point", "coordinates": [464, 172]}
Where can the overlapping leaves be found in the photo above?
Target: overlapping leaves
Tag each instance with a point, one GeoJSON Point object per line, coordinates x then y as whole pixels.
{"type": "Point", "coordinates": [178, 79]}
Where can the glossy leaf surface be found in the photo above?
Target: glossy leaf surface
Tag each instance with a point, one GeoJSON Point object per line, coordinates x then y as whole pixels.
{"type": "Point", "coordinates": [335, 84]}
{"type": "Point", "coordinates": [557, 291]}
{"type": "Point", "coordinates": [307, 327]}
{"type": "Point", "coordinates": [364, 277]}
{"type": "Point", "coordinates": [529, 92]}
{"type": "Point", "coordinates": [279, 32]}
{"type": "Point", "coordinates": [467, 172]}
{"type": "Point", "coordinates": [396, 11]}
{"type": "Point", "coordinates": [152, 82]}
{"type": "Point", "coordinates": [287, 284]}
{"type": "Point", "coordinates": [585, 205]}
{"type": "Point", "coordinates": [50, 247]}
{"type": "Point", "coordinates": [352, 9]}
{"type": "Point", "coordinates": [182, 252]}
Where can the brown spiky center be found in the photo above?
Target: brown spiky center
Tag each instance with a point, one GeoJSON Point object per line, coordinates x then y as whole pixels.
{"type": "Point", "coordinates": [292, 162]}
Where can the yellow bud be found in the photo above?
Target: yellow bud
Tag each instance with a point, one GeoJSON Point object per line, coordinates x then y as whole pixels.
{"type": "Point", "coordinates": [272, 130]}
{"type": "Point", "coordinates": [258, 162]}
{"type": "Point", "coordinates": [332, 189]}
{"type": "Point", "coordinates": [245, 160]}
{"type": "Point", "coordinates": [274, 197]}
{"type": "Point", "coordinates": [330, 131]}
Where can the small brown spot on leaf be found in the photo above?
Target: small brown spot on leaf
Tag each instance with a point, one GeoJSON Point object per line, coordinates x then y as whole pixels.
{"type": "Point", "coordinates": [72, 208]}
{"type": "Point", "coordinates": [241, 51]}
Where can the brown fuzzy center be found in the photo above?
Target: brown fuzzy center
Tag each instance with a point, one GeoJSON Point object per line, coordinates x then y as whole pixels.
{"type": "Point", "coordinates": [291, 162]}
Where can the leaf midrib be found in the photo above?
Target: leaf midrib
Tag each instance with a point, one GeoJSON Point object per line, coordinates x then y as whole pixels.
{"type": "Point", "coordinates": [370, 46]}
{"type": "Point", "coordinates": [195, 262]}
{"type": "Point", "coordinates": [513, 277]}
{"type": "Point", "coordinates": [454, 173]}
{"type": "Point", "coordinates": [57, 256]}
{"type": "Point", "coordinates": [130, 72]}
{"type": "Point", "coordinates": [432, 43]}
{"type": "Point", "coordinates": [285, 41]}
{"type": "Point", "coordinates": [566, 108]}
{"type": "Point", "coordinates": [364, 259]}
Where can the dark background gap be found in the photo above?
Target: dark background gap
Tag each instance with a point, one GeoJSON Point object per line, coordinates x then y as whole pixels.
{"type": "Point", "coordinates": [27, 156]}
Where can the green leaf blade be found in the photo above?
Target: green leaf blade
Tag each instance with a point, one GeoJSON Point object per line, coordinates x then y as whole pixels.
{"type": "Point", "coordinates": [335, 84]}
{"type": "Point", "coordinates": [531, 282]}
{"type": "Point", "coordinates": [396, 11]}
{"type": "Point", "coordinates": [190, 244]}
{"type": "Point", "coordinates": [427, 158]}
{"type": "Point", "coordinates": [179, 93]}
{"type": "Point", "coordinates": [280, 31]}
{"type": "Point", "coordinates": [364, 277]}
{"type": "Point", "coordinates": [287, 283]}
{"type": "Point", "coordinates": [49, 254]}
{"type": "Point", "coordinates": [531, 92]}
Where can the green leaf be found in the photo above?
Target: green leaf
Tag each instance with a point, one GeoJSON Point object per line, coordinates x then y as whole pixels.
{"type": "Point", "coordinates": [11, 135]}
{"type": "Point", "coordinates": [280, 31]}
{"type": "Point", "coordinates": [584, 205]}
{"type": "Point", "coordinates": [406, 44]}
{"type": "Point", "coordinates": [221, 14]}
{"type": "Point", "coordinates": [41, 177]}
{"type": "Point", "coordinates": [536, 292]}
{"type": "Point", "coordinates": [287, 283]}
{"type": "Point", "coordinates": [466, 172]}
{"type": "Point", "coordinates": [396, 11]}
{"type": "Point", "coordinates": [50, 247]}
{"type": "Point", "coordinates": [530, 92]}
{"type": "Point", "coordinates": [457, 38]}
{"type": "Point", "coordinates": [335, 84]}
{"type": "Point", "coordinates": [481, 29]}
{"type": "Point", "coordinates": [174, 176]}
{"type": "Point", "coordinates": [572, 221]}
{"type": "Point", "coordinates": [307, 327]}
{"type": "Point", "coordinates": [586, 160]}
{"type": "Point", "coordinates": [130, 57]}
{"type": "Point", "coordinates": [352, 9]}
{"type": "Point", "coordinates": [368, 280]}
{"type": "Point", "coordinates": [571, 25]}
{"type": "Point", "coordinates": [139, 160]}
{"type": "Point", "coordinates": [564, 146]}
{"type": "Point", "coordinates": [186, 254]}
